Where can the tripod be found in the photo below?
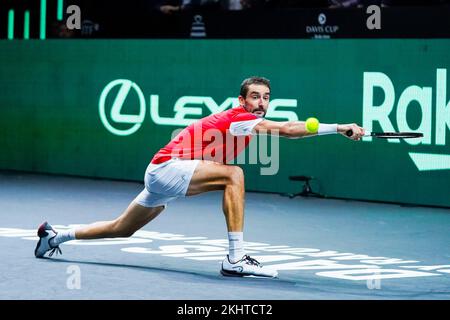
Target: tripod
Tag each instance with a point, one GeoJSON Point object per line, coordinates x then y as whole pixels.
{"type": "Point", "coordinates": [307, 190]}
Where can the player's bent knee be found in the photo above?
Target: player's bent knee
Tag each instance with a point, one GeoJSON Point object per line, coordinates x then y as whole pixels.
{"type": "Point", "coordinates": [236, 176]}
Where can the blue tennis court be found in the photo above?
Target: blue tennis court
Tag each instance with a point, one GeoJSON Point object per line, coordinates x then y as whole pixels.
{"type": "Point", "coordinates": [322, 248]}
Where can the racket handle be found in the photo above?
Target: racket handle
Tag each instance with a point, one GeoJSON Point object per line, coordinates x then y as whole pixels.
{"type": "Point", "coordinates": [349, 133]}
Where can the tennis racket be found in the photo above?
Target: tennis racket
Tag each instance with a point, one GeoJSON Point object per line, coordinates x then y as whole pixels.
{"type": "Point", "coordinates": [389, 135]}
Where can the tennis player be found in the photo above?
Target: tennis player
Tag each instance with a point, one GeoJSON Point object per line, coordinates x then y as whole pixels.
{"type": "Point", "coordinates": [188, 166]}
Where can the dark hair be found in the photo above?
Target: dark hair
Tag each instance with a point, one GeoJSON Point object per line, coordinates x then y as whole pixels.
{"type": "Point", "coordinates": [253, 80]}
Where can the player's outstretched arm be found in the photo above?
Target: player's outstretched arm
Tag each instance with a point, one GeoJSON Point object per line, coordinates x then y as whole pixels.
{"type": "Point", "coordinates": [297, 129]}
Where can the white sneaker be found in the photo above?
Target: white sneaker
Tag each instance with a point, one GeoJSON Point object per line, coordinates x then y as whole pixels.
{"type": "Point", "coordinates": [45, 234]}
{"type": "Point", "coordinates": [246, 267]}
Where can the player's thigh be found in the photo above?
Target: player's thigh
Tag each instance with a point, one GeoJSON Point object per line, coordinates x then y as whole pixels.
{"type": "Point", "coordinates": [137, 216]}
{"type": "Point", "coordinates": [210, 176]}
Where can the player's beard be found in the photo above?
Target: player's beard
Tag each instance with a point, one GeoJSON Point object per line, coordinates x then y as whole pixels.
{"type": "Point", "coordinates": [259, 112]}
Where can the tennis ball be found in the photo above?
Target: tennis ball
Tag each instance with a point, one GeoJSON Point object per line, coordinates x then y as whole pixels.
{"type": "Point", "coordinates": [312, 125]}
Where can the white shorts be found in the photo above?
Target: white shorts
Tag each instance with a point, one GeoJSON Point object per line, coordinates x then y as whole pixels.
{"type": "Point", "coordinates": [166, 182]}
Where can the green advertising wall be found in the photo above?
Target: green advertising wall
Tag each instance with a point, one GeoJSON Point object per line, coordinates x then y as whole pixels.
{"type": "Point", "coordinates": [103, 108]}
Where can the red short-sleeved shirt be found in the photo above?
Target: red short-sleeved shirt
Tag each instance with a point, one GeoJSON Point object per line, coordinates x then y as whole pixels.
{"type": "Point", "coordinates": [219, 137]}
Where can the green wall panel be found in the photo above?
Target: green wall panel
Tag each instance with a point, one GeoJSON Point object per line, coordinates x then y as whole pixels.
{"type": "Point", "coordinates": [50, 120]}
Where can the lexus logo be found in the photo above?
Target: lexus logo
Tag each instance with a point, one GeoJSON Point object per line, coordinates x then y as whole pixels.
{"type": "Point", "coordinates": [116, 104]}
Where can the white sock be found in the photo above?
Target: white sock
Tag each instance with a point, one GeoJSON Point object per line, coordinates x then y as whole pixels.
{"type": "Point", "coordinates": [236, 246]}
{"type": "Point", "coordinates": [63, 236]}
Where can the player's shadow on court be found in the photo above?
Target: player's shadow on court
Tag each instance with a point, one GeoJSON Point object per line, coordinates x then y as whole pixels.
{"type": "Point", "coordinates": [254, 281]}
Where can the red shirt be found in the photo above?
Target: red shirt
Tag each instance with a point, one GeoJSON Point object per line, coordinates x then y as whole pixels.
{"type": "Point", "coordinates": [219, 137]}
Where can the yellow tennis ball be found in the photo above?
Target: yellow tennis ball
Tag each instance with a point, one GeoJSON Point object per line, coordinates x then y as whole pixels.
{"type": "Point", "coordinates": [312, 125]}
